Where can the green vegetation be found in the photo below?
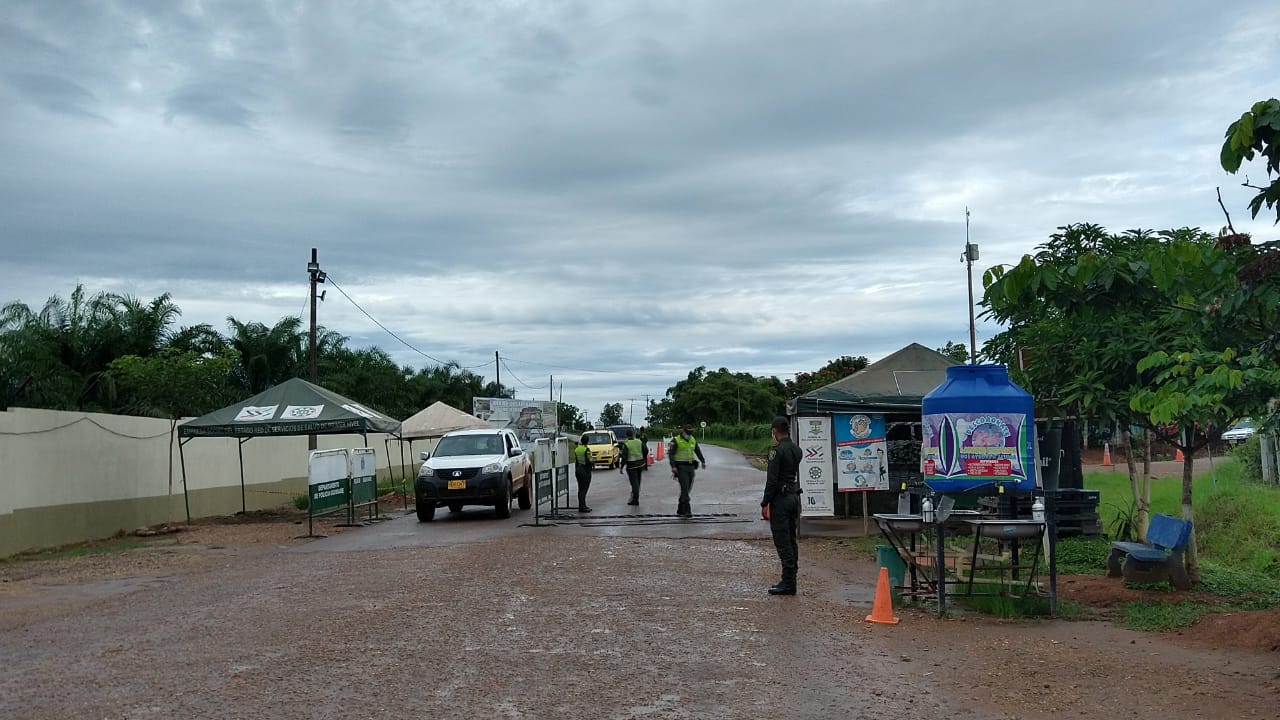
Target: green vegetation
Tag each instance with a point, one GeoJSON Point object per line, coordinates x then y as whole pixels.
{"type": "Point", "coordinates": [1159, 616]}
{"type": "Point", "coordinates": [1237, 521]}
{"type": "Point", "coordinates": [302, 502]}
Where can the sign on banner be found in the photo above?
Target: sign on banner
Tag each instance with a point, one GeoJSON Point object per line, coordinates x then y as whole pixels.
{"type": "Point", "coordinates": [862, 461]}
{"type": "Point", "coordinates": [813, 436]}
{"type": "Point", "coordinates": [528, 419]}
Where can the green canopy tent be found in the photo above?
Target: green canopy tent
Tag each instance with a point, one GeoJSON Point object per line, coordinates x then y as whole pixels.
{"type": "Point", "coordinates": [896, 384]}
{"type": "Point", "coordinates": [895, 387]}
{"type": "Point", "coordinates": [294, 407]}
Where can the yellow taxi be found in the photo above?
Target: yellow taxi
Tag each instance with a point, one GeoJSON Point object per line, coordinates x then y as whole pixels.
{"type": "Point", "coordinates": [602, 446]}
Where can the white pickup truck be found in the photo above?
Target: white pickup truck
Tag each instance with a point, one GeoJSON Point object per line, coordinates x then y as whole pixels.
{"type": "Point", "coordinates": [474, 467]}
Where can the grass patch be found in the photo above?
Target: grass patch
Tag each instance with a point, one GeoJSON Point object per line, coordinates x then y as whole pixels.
{"type": "Point", "coordinates": [83, 550]}
{"type": "Point", "coordinates": [1082, 556]}
{"type": "Point", "coordinates": [1158, 616]}
{"type": "Point", "coordinates": [754, 446]}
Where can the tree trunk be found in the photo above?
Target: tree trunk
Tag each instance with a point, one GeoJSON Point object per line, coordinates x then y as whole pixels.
{"type": "Point", "coordinates": [1267, 442]}
{"type": "Point", "coordinates": [1146, 454]}
{"type": "Point", "coordinates": [1192, 555]}
{"type": "Point", "coordinates": [1140, 487]}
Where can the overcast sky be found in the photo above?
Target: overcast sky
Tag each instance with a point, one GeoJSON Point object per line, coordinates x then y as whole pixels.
{"type": "Point", "coordinates": [614, 193]}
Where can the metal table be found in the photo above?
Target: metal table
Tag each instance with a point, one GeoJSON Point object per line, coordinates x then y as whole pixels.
{"type": "Point", "coordinates": [928, 571]}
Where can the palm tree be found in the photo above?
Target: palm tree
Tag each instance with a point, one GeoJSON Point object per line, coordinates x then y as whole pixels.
{"type": "Point", "coordinates": [268, 355]}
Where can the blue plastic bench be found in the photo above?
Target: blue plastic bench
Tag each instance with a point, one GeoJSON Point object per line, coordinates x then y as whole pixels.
{"type": "Point", "coordinates": [1157, 560]}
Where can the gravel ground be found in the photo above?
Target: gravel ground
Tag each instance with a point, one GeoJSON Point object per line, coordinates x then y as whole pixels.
{"type": "Point", "coordinates": [231, 622]}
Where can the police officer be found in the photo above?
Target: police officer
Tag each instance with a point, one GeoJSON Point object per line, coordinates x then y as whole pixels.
{"type": "Point", "coordinates": [582, 471]}
{"type": "Point", "coordinates": [685, 456]}
{"type": "Point", "coordinates": [635, 457]}
{"type": "Point", "coordinates": [781, 503]}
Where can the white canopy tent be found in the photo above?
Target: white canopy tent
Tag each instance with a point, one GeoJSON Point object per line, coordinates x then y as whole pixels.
{"type": "Point", "coordinates": [437, 420]}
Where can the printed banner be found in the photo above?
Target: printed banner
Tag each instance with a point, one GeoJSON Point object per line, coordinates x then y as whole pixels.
{"type": "Point", "coordinates": [813, 435]}
{"type": "Point", "coordinates": [529, 419]}
{"type": "Point", "coordinates": [977, 447]}
{"type": "Point", "coordinates": [862, 459]}
{"type": "Point", "coordinates": [301, 412]}
{"type": "Point", "coordinates": [252, 413]}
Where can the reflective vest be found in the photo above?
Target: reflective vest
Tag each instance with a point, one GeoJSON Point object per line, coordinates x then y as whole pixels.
{"type": "Point", "coordinates": [581, 455]}
{"type": "Point", "coordinates": [635, 452]}
{"type": "Point", "coordinates": [684, 449]}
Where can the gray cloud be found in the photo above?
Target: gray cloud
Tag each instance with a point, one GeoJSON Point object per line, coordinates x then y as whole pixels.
{"type": "Point", "coordinates": [631, 189]}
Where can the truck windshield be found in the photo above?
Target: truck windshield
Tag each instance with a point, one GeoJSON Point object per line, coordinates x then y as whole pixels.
{"type": "Point", "coordinates": [468, 445]}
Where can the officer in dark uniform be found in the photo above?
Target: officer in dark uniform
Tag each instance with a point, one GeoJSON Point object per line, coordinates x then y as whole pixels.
{"type": "Point", "coordinates": [635, 457]}
{"type": "Point", "coordinates": [781, 503]}
{"type": "Point", "coordinates": [582, 471]}
{"type": "Point", "coordinates": [685, 455]}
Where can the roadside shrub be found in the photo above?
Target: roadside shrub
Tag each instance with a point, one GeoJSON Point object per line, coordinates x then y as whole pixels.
{"type": "Point", "coordinates": [301, 502]}
{"type": "Point", "coordinates": [1249, 456]}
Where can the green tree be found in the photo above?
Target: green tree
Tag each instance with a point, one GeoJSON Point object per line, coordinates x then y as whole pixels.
{"type": "Point", "coordinates": [719, 396]}
{"type": "Point", "coordinates": [956, 351]}
{"type": "Point", "coordinates": [268, 355]}
{"type": "Point", "coordinates": [572, 420]}
{"type": "Point", "coordinates": [612, 414]}
{"type": "Point", "coordinates": [1135, 295]}
{"type": "Point", "coordinates": [368, 376]}
{"type": "Point", "coordinates": [1256, 133]}
{"type": "Point", "coordinates": [838, 369]}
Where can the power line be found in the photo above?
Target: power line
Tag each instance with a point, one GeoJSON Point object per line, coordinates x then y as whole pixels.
{"type": "Point", "coordinates": [602, 372]}
{"type": "Point", "coordinates": [384, 327]}
{"type": "Point", "coordinates": [517, 377]}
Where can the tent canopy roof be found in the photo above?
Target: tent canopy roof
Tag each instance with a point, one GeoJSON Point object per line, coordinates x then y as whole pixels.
{"type": "Point", "coordinates": [438, 419]}
{"type": "Point", "coordinates": [896, 383]}
{"type": "Point", "coordinates": [294, 407]}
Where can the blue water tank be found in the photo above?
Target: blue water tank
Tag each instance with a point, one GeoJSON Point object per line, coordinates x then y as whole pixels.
{"type": "Point", "coordinates": [978, 432]}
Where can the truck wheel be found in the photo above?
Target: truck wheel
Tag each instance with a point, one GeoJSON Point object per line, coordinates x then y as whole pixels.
{"type": "Point", "coordinates": [524, 495]}
{"type": "Point", "coordinates": [503, 505]}
{"type": "Point", "coordinates": [426, 511]}
{"type": "Point", "coordinates": [455, 507]}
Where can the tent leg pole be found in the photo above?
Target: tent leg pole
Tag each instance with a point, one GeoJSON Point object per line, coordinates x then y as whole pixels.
{"type": "Point", "coordinates": [186, 498]}
{"type": "Point", "coordinates": [404, 496]}
{"type": "Point", "coordinates": [244, 508]}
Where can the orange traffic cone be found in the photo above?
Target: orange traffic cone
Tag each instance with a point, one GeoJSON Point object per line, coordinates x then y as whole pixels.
{"type": "Point", "coordinates": [882, 610]}
{"type": "Point", "coordinates": [1178, 456]}
{"type": "Point", "coordinates": [660, 450]}
{"type": "Point", "coordinates": [650, 458]}
{"type": "Point", "coordinates": [1106, 455]}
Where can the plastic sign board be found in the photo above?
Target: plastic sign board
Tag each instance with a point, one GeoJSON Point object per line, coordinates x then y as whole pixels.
{"type": "Point", "coordinates": [327, 480]}
{"type": "Point", "coordinates": [813, 436]}
{"type": "Point", "coordinates": [862, 461]}
{"type": "Point", "coordinates": [977, 448]}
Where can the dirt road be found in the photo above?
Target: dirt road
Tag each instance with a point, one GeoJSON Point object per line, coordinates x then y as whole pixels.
{"type": "Point", "coordinates": [655, 621]}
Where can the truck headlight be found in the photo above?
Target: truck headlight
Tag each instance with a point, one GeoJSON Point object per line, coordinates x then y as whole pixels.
{"type": "Point", "coordinates": [426, 472]}
{"type": "Point", "coordinates": [492, 468]}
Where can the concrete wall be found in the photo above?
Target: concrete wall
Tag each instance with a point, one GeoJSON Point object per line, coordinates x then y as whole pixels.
{"type": "Point", "coordinates": [66, 477]}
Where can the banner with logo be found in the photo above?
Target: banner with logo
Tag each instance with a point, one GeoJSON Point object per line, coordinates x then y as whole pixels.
{"type": "Point", "coordinates": [813, 435]}
{"type": "Point", "coordinates": [862, 459]}
{"type": "Point", "coordinates": [977, 447]}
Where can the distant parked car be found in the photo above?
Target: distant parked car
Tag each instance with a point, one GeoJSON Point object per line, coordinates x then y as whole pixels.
{"type": "Point", "coordinates": [1239, 432]}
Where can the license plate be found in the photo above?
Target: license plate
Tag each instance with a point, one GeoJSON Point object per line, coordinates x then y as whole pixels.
{"type": "Point", "coordinates": [457, 484]}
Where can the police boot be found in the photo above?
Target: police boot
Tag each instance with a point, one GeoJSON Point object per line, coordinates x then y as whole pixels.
{"type": "Point", "coordinates": [787, 586]}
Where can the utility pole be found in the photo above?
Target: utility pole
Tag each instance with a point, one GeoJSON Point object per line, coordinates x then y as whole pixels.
{"type": "Point", "coordinates": [497, 372]}
{"type": "Point", "coordinates": [970, 255]}
{"type": "Point", "coordinates": [317, 276]}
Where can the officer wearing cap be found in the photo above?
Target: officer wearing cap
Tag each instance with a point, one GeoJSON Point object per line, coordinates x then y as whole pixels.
{"type": "Point", "coordinates": [685, 456]}
{"type": "Point", "coordinates": [781, 503]}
